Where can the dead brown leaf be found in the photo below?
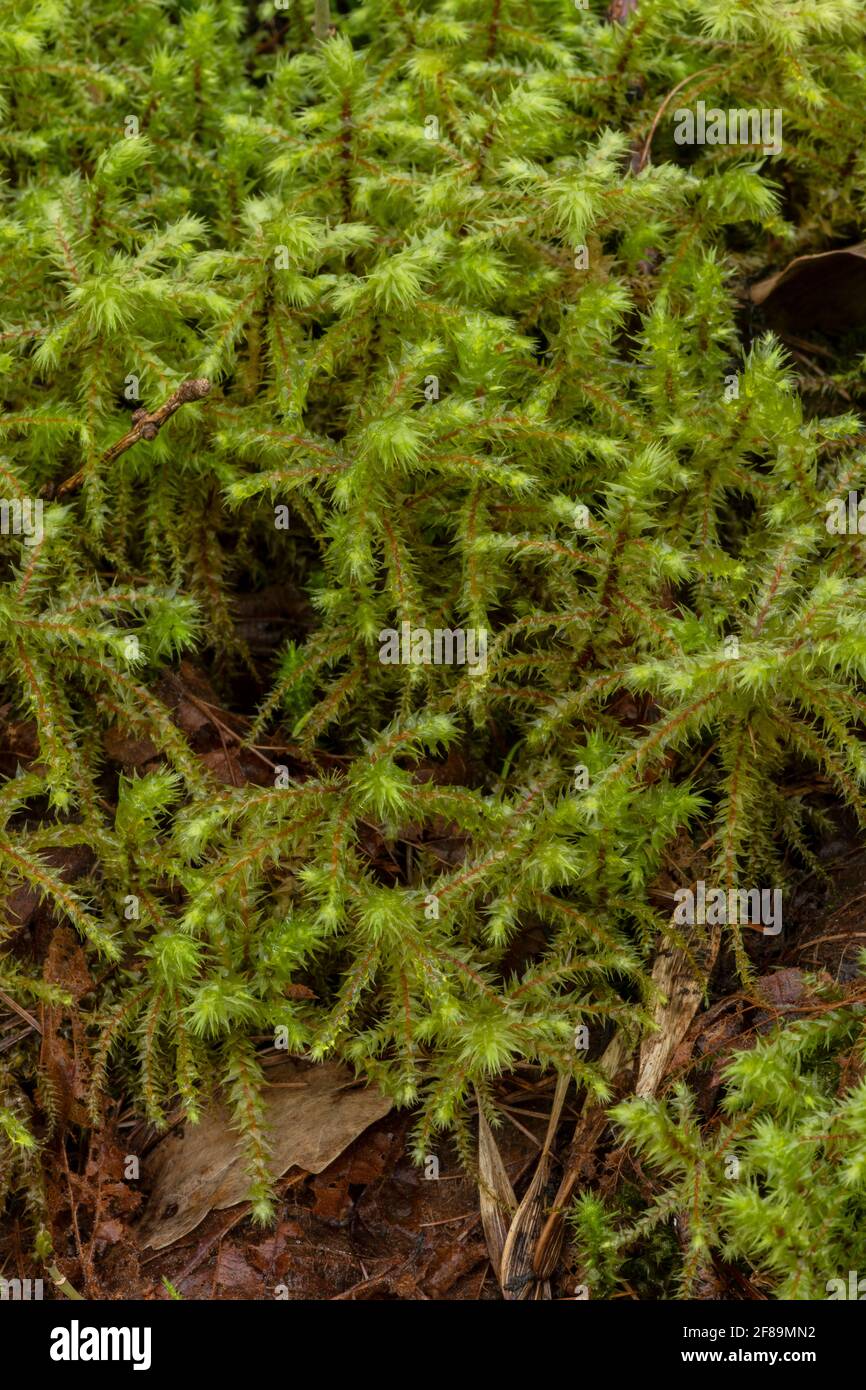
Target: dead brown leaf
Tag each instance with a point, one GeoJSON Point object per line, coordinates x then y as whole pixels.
{"type": "Point", "coordinates": [312, 1115]}
{"type": "Point", "coordinates": [65, 1071]}
{"type": "Point", "coordinates": [235, 1275]}
{"type": "Point", "coordinates": [783, 987]}
{"type": "Point", "coordinates": [826, 292]}
{"type": "Point", "coordinates": [123, 747]}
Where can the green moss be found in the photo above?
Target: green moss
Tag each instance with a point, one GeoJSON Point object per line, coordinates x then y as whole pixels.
{"type": "Point", "coordinates": [495, 372]}
{"type": "Point", "coordinates": [776, 1188]}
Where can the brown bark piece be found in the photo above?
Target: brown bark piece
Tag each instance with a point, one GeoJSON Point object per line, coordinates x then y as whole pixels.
{"type": "Point", "coordinates": [826, 291]}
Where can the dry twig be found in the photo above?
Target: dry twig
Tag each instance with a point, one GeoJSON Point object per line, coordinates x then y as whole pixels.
{"type": "Point", "coordinates": [146, 424]}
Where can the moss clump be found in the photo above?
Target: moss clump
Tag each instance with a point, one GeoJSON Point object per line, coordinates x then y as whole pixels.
{"type": "Point", "coordinates": [473, 326]}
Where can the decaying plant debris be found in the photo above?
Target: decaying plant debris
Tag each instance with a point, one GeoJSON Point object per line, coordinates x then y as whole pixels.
{"type": "Point", "coordinates": [432, 563]}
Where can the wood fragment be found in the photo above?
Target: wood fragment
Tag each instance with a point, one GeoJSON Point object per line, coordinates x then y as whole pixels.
{"type": "Point", "coordinates": [680, 996]}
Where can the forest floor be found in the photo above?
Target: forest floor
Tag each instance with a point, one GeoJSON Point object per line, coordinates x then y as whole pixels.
{"type": "Point", "coordinates": [371, 1224]}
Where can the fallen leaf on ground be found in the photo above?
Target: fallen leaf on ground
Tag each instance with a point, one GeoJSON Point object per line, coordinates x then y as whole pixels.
{"type": "Point", "coordinates": [782, 988]}
{"type": "Point", "coordinates": [826, 291]}
{"type": "Point", "coordinates": [235, 1276]}
{"type": "Point", "coordinates": [123, 747]}
{"type": "Point", "coordinates": [311, 1114]}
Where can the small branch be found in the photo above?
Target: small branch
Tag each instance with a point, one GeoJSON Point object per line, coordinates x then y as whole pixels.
{"type": "Point", "coordinates": [146, 425]}
{"type": "Point", "coordinates": [22, 1013]}
{"type": "Point", "coordinates": [645, 152]}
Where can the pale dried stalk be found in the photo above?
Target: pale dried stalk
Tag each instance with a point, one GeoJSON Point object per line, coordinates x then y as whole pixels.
{"type": "Point", "coordinates": [495, 1194]}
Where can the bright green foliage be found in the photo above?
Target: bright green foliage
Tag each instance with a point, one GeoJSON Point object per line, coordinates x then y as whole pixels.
{"type": "Point", "coordinates": [779, 1186]}
{"type": "Point", "coordinates": [485, 361]}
